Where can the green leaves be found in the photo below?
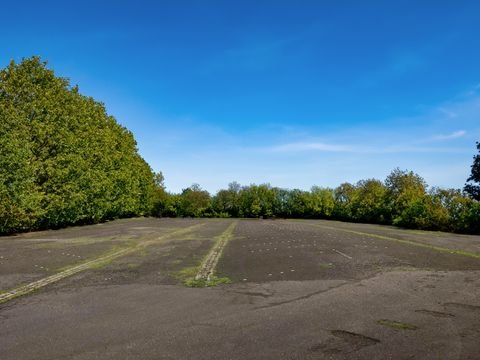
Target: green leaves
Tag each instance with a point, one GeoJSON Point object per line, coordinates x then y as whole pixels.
{"type": "Point", "coordinates": [63, 159]}
{"type": "Point", "coordinates": [472, 188]}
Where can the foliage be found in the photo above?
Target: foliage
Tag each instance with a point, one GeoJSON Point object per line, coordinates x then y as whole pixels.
{"type": "Point", "coordinates": [320, 202]}
{"type": "Point", "coordinates": [403, 199]}
{"type": "Point", "coordinates": [368, 201]}
{"type": "Point", "coordinates": [472, 188]}
{"type": "Point", "coordinates": [194, 202]}
{"type": "Point", "coordinates": [63, 159]}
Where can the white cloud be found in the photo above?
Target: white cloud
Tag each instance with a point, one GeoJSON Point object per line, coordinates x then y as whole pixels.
{"type": "Point", "coordinates": [379, 148]}
{"type": "Point", "coordinates": [310, 146]}
{"type": "Point", "coordinates": [451, 136]}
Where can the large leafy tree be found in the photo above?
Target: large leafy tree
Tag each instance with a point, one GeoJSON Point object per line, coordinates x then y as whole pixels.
{"type": "Point", "coordinates": [63, 159]}
{"type": "Point", "coordinates": [344, 195]}
{"type": "Point", "coordinates": [257, 200]}
{"type": "Point", "coordinates": [368, 204]}
{"type": "Point", "coordinates": [405, 197]}
{"type": "Point", "coordinates": [472, 188]}
{"type": "Point", "coordinates": [321, 202]}
{"type": "Point", "coordinates": [194, 201]}
{"type": "Point", "coordinates": [226, 201]}
{"type": "Point", "coordinates": [19, 193]}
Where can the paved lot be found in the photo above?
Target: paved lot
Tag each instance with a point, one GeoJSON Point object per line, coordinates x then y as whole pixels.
{"type": "Point", "coordinates": [309, 250]}
{"type": "Point", "coordinates": [356, 292]}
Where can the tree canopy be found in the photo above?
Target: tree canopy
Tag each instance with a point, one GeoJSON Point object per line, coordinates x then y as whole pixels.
{"type": "Point", "coordinates": [472, 187]}
{"type": "Point", "coordinates": [63, 159]}
{"type": "Point", "coordinates": [403, 199]}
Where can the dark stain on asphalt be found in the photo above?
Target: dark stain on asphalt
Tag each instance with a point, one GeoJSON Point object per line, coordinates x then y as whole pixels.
{"type": "Point", "coordinates": [464, 306]}
{"type": "Point", "coordinates": [438, 314]}
{"type": "Point", "coordinates": [344, 342]}
{"type": "Point", "coordinates": [264, 295]}
{"type": "Point", "coordinates": [325, 348]}
{"type": "Point", "coordinates": [356, 340]}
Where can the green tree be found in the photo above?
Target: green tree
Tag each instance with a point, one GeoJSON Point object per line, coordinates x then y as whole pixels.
{"type": "Point", "coordinates": [405, 197]}
{"type": "Point", "coordinates": [320, 202]}
{"type": "Point", "coordinates": [368, 201]}
{"type": "Point", "coordinates": [344, 196]}
{"type": "Point", "coordinates": [228, 201]}
{"type": "Point", "coordinates": [472, 188]}
{"type": "Point", "coordinates": [297, 203]}
{"type": "Point", "coordinates": [19, 194]}
{"type": "Point", "coordinates": [257, 200]}
{"type": "Point", "coordinates": [75, 163]}
{"type": "Point", "coordinates": [194, 201]}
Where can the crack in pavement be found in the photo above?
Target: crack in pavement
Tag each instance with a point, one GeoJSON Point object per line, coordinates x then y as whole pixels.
{"type": "Point", "coordinates": [307, 296]}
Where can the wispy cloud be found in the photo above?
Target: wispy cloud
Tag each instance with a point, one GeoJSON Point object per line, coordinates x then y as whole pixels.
{"type": "Point", "coordinates": [431, 143]}
{"type": "Point", "coordinates": [380, 148]}
{"type": "Point", "coordinates": [310, 146]}
{"type": "Point", "coordinates": [451, 136]}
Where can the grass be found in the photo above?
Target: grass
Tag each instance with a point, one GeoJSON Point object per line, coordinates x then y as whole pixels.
{"type": "Point", "coordinates": [99, 263]}
{"type": "Point", "coordinates": [187, 277]}
{"type": "Point", "coordinates": [397, 325]}
{"type": "Point", "coordinates": [202, 282]}
{"type": "Point", "coordinates": [325, 265]}
{"type": "Point", "coordinates": [186, 273]}
{"type": "Point", "coordinates": [195, 276]}
{"type": "Point", "coordinates": [10, 294]}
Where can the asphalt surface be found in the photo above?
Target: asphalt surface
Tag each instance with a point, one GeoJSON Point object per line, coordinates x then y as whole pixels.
{"type": "Point", "coordinates": [356, 292]}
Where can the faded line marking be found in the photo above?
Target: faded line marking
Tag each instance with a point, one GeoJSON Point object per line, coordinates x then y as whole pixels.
{"type": "Point", "coordinates": [36, 285]}
{"type": "Point", "coordinates": [207, 268]}
{"type": "Point", "coordinates": [401, 241]}
{"type": "Point", "coordinates": [343, 254]}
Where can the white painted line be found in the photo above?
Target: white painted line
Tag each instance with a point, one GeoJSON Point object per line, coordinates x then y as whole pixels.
{"type": "Point", "coordinates": [343, 254]}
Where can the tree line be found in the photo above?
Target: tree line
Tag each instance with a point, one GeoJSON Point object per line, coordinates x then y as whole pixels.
{"type": "Point", "coordinates": [65, 161]}
{"type": "Point", "coordinates": [403, 199]}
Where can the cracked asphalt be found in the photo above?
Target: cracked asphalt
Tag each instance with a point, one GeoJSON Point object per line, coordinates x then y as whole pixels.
{"type": "Point", "coordinates": [381, 299]}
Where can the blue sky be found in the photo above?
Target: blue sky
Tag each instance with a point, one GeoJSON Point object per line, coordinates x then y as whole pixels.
{"type": "Point", "coordinates": [293, 93]}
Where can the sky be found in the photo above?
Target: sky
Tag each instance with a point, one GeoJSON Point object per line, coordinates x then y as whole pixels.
{"type": "Point", "coordinates": [291, 93]}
